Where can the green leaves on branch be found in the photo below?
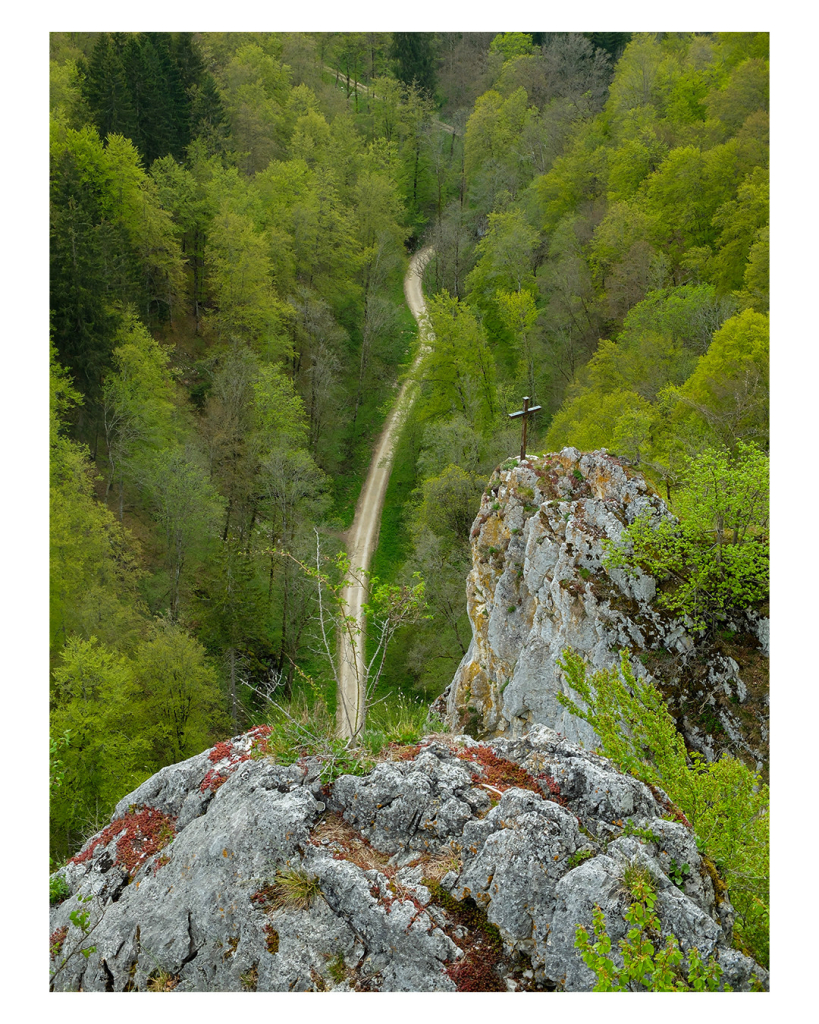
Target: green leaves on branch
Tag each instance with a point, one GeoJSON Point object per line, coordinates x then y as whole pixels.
{"type": "Point", "coordinates": [458, 374]}
{"type": "Point", "coordinates": [715, 557]}
{"type": "Point", "coordinates": [725, 802]}
{"type": "Point", "coordinates": [646, 968]}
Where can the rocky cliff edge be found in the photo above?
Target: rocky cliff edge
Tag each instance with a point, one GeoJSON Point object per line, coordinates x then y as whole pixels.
{"type": "Point", "coordinates": [538, 585]}
{"type": "Point", "coordinates": [454, 865]}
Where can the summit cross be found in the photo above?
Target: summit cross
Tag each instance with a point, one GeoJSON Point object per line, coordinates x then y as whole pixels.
{"type": "Point", "coordinates": [525, 413]}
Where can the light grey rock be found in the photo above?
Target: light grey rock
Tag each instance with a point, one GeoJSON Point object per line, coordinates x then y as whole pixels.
{"type": "Point", "coordinates": [539, 585]}
{"type": "Point", "coordinates": [200, 914]}
{"type": "Point", "coordinates": [409, 807]}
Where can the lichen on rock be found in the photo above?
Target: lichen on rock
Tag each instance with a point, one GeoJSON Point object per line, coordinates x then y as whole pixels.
{"type": "Point", "coordinates": [539, 585]}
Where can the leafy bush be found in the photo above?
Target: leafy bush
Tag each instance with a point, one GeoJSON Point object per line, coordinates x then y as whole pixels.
{"type": "Point", "coordinates": [725, 802]}
{"type": "Point", "coordinates": [645, 967]}
{"type": "Point", "coordinates": [58, 889]}
{"type": "Point", "coordinates": [715, 557]}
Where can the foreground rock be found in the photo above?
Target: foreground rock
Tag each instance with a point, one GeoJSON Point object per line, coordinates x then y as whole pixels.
{"type": "Point", "coordinates": [457, 866]}
{"type": "Point", "coordinates": [538, 586]}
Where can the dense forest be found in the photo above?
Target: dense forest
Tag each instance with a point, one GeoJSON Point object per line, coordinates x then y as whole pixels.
{"type": "Point", "coordinates": [231, 217]}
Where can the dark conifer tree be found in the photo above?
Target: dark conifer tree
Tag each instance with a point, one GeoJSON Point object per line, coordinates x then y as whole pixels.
{"type": "Point", "coordinates": [208, 120]}
{"type": "Point", "coordinates": [82, 324]}
{"type": "Point", "coordinates": [105, 88]}
{"type": "Point", "coordinates": [413, 54]}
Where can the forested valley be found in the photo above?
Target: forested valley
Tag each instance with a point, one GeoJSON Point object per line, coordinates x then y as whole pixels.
{"type": "Point", "coordinates": [231, 220]}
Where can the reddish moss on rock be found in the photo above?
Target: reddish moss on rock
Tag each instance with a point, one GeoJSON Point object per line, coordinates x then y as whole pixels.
{"type": "Point", "coordinates": [227, 751]}
{"type": "Point", "coordinates": [497, 771]}
{"type": "Point", "coordinates": [219, 752]}
{"type": "Point", "coordinates": [56, 940]}
{"type": "Point", "coordinates": [142, 832]}
{"type": "Point", "coordinates": [482, 944]}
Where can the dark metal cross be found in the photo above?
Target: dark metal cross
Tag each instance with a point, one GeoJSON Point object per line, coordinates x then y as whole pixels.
{"type": "Point", "coordinates": [524, 412]}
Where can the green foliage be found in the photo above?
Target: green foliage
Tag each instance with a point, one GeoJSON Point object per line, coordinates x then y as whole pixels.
{"type": "Point", "coordinates": [58, 889]}
{"type": "Point", "coordinates": [645, 966]}
{"type": "Point", "coordinates": [678, 872]}
{"type": "Point", "coordinates": [186, 507]}
{"type": "Point", "coordinates": [56, 767]}
{"type": "Point", "coordinates": [94, 698]}
{"type": "Point", "coordinates": [239, 265]}
{"type": "Point", "coordinates": [716, 556]}
{"type": "Point", "coordinates": [397, 719]}
{"type": "Point", "coordinates": [725, 802]}
{"type": "Point", "coordinates": [111, 242]}
{"type": "Point", "coordinates": [336, 968]}
{"type": "Point", "coordinates": [458, 374]}
{"type": "Point", "coordinates": [645, 834]}
{"type": "Point", "coordinates": [726, 397]}
{"type": "Point", "coordinates": [182, 707]}
{"type": "Point", "coordinates": [511, 44]}
{"type": "Point", "coordinates": [81, 920]}
{"type": "Point", "coordinates": [448, 503]}
{"type": "Point", "coordinates": [413, 56]}
{"type": "Point", "coordinates": [138, 402]}
{"type": "Point", "coordinates": [579, 857]}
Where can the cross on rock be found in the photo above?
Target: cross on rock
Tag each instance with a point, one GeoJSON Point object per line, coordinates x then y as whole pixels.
{"type": "Point", "coordinates": [524, 412]}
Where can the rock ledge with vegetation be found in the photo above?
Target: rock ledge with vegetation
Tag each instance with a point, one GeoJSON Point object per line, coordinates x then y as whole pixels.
{"type": "Point", "coordinates": [538, 586]}
{"type": "Point", "coordinates": [454, 865]}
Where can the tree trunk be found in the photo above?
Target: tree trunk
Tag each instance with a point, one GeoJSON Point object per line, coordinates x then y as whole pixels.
{"type": "Point", "coordinates": [234, 707]}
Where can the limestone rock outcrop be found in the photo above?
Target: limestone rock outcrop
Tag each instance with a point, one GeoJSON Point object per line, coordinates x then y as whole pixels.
{"type": "Point", "coordinates": [538, 586]}
{"type": "Point", "coordinates": [456, 865]}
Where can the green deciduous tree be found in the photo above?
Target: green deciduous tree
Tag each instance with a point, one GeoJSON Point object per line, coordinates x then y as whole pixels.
{"type": "Point", "coordinates": [505, 256]}
{"type": "Point", "coordinates": [94, 570]}
{"type": "Point", "coordinates": [519, 314]}
{"type": "Point", "coordinates": [255, 87]}
{"type": "Point", "coordinates": [186, 506]}
{"type": "Point", "coordinates": [458, 375]}
{"type": "Point", "coordinates": [94, 697]}
{"type": "Point", "coordinates": [726, 397]}
{"type": "Point", "coordinates": [138, 402]}
{"type": "Point", "coordinates": [183, 710]}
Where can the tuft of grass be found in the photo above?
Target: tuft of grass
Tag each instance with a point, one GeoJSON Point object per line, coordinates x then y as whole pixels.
{"type": "Point", "coordinates": [400, 720]}
{"type": "Point", "coordinates": [337, 969]}
{"type": "Point", "coordinates": [292, 889]}
{"type": "Point", "coordinates": [637, 881]}
{"type": "Point", "coordinates": [161, 981]}
{"type": "Point", "coordinates": [250, 979]}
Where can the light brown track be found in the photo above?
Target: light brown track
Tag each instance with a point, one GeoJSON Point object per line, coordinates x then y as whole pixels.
{"type": "Point", "coordinates": [362, 536]}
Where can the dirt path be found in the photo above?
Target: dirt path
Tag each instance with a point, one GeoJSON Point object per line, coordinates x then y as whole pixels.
{"type": "Point", "coordinates": [359, 87]}
{"type": "Point", "coordinates": [362, 536]}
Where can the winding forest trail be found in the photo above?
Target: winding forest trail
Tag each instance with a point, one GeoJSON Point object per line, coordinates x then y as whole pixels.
{"type": "Point", "coordinates": [362, 536]}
